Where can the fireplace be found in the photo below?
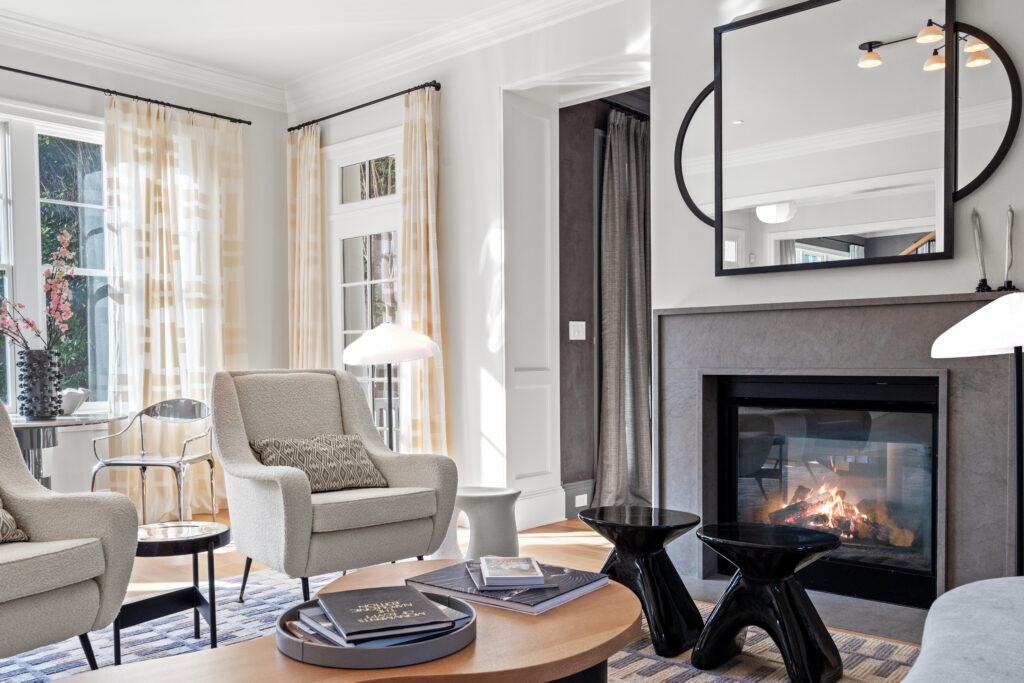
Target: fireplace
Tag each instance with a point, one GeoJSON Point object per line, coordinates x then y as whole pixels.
{"type": "Point", "coordinates": [852, 455]}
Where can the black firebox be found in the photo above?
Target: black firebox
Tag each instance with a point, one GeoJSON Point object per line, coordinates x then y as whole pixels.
{"type": "Point", "coordinates": [854, 456]}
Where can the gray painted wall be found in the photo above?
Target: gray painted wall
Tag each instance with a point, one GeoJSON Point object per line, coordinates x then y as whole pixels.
{"type": "Point", "coordinates": [578, 286]}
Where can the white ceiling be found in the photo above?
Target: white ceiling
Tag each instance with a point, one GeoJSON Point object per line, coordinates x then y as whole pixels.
{"type": "Point", "coordinates": [267, 41]}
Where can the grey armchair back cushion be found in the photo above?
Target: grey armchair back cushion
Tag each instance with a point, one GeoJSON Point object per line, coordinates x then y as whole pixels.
{"type": "Point", "coordinates": [295, 405]}
{"type": "Point", "coordinates": [9, 531]}
{"type": "Point", "coordinates": [331, 461]}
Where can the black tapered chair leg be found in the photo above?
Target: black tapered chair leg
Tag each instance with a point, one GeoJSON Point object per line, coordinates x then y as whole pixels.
{"type": "Point", "coordinates": [419, 557]}
{"type": "Point", "coordinates": [245, 577]}
{"type": "Point", "coordinates": [305, 588]}
{"type": "Point", "coordinates": [87, 646]}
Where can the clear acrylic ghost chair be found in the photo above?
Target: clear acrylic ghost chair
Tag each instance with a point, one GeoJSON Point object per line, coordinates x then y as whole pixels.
{"type": "Point", "coordinates": [177, 410]}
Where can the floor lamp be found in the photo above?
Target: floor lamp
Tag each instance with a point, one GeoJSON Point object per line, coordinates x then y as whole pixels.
{"type": "Point", "coordinates": [388, 344]}
{"type": "Point", "coordinates": [996, 329]}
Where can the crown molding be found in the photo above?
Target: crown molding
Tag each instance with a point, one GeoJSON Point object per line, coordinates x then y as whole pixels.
{"type": "Point", "coordinates": [23, 33]}
{"type": "Point", "coordinates": [854, 136]}
{"type": "Point", "coordinates": [486, 27]}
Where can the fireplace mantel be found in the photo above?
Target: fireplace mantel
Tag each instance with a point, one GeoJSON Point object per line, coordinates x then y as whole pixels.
{"type": "Point", "coordinates": [861, 336]}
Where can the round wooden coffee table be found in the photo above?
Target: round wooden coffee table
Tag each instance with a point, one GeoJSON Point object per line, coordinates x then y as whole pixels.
{"type": "Point", "coordinates": [573, 642]}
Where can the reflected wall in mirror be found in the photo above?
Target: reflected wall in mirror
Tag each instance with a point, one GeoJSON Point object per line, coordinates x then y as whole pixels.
{"type": "Point", "coordinates": [825, 162]}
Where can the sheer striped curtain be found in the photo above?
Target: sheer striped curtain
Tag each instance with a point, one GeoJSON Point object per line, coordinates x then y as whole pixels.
{"type": "Point", "coordinates": [307, 305]}
{"type": "Point", "coordinates": [174, 225]}
{"type": "Point", "coordinates": [422, 414]}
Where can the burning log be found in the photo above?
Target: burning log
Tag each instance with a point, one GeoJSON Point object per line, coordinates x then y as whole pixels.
{"type": "Point", "coordinates": [869, 521]}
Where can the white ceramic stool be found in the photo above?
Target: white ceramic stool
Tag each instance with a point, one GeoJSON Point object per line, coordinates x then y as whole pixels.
{"type": "Point", "coordinates": [492, 520]}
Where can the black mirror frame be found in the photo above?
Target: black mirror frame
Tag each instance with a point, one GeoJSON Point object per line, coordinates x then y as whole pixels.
{"type": "Point", "coordinates": [950, 191]}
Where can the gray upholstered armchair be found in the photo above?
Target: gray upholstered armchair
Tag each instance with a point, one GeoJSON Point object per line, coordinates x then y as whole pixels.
{"type": "Point", "coordinates": [275, 517]}
{"type": "Point", "coordinates": [72, 574]}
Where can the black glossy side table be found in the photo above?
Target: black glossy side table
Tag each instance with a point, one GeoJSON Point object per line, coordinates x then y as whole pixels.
{"type": "Point", "coordinates": [176, 538]}
{"type": "Point", "coordinates": [764, 592]}
{"type": "Point", "coordinates": [639, 562]}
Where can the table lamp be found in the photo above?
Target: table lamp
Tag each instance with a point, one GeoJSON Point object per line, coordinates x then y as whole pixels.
{"type": "Point", "coordinates": [995, 329]}
{"type": "Point", "coordinates": [387, 344]}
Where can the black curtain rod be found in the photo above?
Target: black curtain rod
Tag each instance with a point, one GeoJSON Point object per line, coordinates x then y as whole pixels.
{"type": "Point", "coordinates": [432, 84]}
{"type": "Point", "coordinates": [626, 108]}
{"type": "Point", "coordinates": [108, 91]}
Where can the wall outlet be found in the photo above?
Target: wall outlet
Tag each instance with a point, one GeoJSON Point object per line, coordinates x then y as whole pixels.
{"type": "Point", "coordinates": [581, 500]}
{"type": "Point", "coordinates": [577, 330]}
{"type": "Point", "coordinates": [752, 258]}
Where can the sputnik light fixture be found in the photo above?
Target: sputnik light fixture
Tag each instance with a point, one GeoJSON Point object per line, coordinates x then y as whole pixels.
{"type": "Point", "coordinates": [931, 33]}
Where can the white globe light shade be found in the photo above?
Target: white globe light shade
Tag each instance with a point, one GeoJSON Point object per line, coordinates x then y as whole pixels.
{"type": "Point", "coordinates": [776, 213]}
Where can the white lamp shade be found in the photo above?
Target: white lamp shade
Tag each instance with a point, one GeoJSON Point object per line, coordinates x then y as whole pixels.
{"type": "Point", "coordinates": [389, 343]}
{"type": "Point", "coordinates": [992, 330]}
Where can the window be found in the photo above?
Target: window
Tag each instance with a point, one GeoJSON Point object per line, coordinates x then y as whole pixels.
{"type": "Point", "coordinates": [71, 199]}
{"type": "Point", "coordinates": [51, 180]}
{"type": "Point", "coordinates": [364, 217]}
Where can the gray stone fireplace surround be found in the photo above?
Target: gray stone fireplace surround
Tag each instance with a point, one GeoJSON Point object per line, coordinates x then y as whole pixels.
{"type": "Point", "coordinates": [891, 336]}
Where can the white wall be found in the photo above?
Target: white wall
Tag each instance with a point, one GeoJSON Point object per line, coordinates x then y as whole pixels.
{"type": "Point", "coordinates": [683, 246]}
{"type": "Point", "coordinates": [266, 244]}
{"type": "Point", "coordinates": [470, 203]}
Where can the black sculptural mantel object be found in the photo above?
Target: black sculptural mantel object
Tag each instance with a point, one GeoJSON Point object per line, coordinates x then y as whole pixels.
{"type": "Point", "coordinates": [764, 592]}
{"type": "Point", "coordinates": [640, 563]}
{"type": "Point", "coordinates": [39, 376]}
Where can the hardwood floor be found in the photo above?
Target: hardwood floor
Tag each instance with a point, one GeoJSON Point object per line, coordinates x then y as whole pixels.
{"type": "Point", "coordinates": [570, 543]}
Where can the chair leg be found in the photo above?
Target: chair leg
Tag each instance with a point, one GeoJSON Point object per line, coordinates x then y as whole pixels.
{"type": "Point", "coordinates": [180, 476]}
{"type": "Point", "coordinates": [245, 577]}
{"type": "Point", "coordinates": [419, 557]}
{"type": "Point", "coordinates": [96, 470]}
{"type": "Point", "coordinates": [213, 494]}
{"type": "Point", "coordinates": [87, 646]}
{"type": "Point", "coordinates": [305, 589]}
{"type": "Point", "coordinates": [142, 488]}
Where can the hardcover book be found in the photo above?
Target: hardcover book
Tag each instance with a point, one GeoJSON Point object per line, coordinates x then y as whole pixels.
{"type": "Point", "coordinates": [510, 571]}
{"type": "Point", "coordinates": [455, 580]}
{"type": "Point", "coordinates": [478, 580]}
{"type": "Point", "coordinates": [319, 626]}
{"type": "Point", "coordinates": [380, 612]}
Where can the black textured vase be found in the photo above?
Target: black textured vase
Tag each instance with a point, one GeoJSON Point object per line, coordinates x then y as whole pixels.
{"type": "Point", "coordinates": [39, 375]}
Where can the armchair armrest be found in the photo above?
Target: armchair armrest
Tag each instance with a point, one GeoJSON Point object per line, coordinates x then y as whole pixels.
{"type": "Point", "coordinates": [187, 442]}
{"type": "Point", "coordinates": [110, 517]}
{"type": "Point", "coordinates": [107, 437]}
{"type": "Point", "coordinates": [430, 471]}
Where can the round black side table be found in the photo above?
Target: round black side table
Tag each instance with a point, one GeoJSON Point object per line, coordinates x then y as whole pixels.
{"type": "Point", "coordinates": [764, 592]}
{"type": "Point", "coordinates": [176, 538]}
{"type": "Point", "coordinates": [639, 562]}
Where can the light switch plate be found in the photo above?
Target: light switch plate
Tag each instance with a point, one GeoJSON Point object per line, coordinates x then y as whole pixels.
{"type": "Point", "coordinates": [581, 500]}
{"type": "Point", "coordinates": [577, 330]}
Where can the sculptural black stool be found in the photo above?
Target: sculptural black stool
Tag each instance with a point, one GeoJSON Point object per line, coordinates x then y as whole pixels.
{"type": "Point", "coordinates": [640, 563]}
{"type": "Point", "coordinates": [764, 592]}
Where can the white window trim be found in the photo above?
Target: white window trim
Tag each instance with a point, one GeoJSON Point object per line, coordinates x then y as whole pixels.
{"type": "Point", "coordinates": [24, 206]}
{"type": "Point", "coordinates": [356, 219]}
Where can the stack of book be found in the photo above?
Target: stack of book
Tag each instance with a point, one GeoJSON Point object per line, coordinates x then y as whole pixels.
{"type": "Point", "coordinates": [516, 583]}
{"type": "Point", "coordinates": [375, 617]}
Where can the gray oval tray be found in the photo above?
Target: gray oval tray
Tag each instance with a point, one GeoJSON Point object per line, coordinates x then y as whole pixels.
{"type": "Point", "coordinates": [377, 657]}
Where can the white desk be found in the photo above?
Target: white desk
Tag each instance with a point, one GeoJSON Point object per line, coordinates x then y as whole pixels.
{"type": "Point", "coordinates": [35, 435]}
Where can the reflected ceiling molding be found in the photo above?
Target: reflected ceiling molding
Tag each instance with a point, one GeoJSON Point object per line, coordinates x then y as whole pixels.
{"type": "Point", "coordinates": [854, 136]}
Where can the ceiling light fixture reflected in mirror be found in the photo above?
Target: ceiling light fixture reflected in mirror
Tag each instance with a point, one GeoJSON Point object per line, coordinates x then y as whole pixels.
{"type": "Point", "coordinates": [869, 60]}
{"type": "Point", "coordinates": [975, 45]}
{"type": "Point", "coordinates": [980, 58]}
{"type": "Point", "coordinates": [772, 214]}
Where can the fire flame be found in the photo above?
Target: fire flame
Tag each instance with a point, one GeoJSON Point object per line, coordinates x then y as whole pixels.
{"type": "Point", "coordinates": [830, 511]}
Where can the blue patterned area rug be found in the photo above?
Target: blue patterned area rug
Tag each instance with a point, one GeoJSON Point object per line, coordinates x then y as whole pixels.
{"type": "Point", "coordinates": [268, 593]}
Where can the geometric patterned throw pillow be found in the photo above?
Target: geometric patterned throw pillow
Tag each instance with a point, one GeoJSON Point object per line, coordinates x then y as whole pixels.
{"type": "Point", "coordinates": [331, 461]}
{"type": "Point", "coordinates": [9, 530]}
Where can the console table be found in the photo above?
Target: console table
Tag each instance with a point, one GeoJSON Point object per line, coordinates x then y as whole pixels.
{"type": "Point", "coordinates": [35, 435]}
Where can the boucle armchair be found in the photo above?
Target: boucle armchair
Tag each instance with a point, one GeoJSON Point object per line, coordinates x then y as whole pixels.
{"type": "Point", "coordinates": [275, 517]}
{"type": "Point", "coordinates": [72, 574]}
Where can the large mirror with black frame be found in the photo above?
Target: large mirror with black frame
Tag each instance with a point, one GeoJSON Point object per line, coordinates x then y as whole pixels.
{"type": "Point", "coordinates": [829, 136]}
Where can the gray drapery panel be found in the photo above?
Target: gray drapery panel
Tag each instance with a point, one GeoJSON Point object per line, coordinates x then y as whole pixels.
{"type": "Point", "coordinates": [624, 448]}
{"type": "Point", "coordinates": [787, 252]}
